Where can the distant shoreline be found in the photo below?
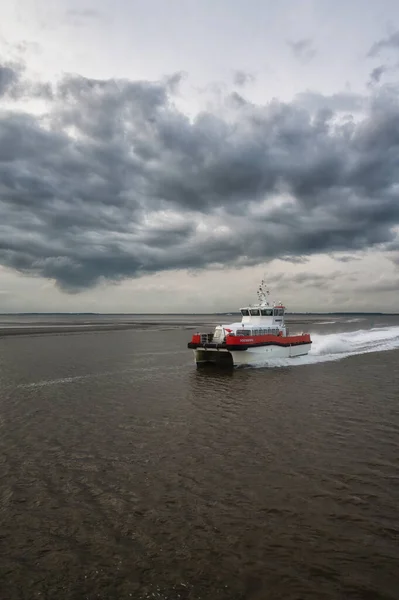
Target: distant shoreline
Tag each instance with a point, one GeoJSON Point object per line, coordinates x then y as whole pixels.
{"type": "Point", "coordinates": [81, 322]}
{"type": "Point", "coordinates": [218, 314]}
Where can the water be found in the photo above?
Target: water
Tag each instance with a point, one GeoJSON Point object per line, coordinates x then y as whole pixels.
{"type": "Point", "coordinates": [127, 473]}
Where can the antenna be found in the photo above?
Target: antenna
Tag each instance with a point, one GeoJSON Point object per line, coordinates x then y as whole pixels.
{"type": "Point", "coordinates": [263, 293]}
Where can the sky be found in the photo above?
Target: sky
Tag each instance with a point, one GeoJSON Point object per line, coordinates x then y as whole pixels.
{"type": "Point", "coordinates": [164, 156]}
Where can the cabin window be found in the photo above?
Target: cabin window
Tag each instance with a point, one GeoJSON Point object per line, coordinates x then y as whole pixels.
{"type": "Point", "coordinates": [245, 312]}
{"type": "Point", "coordinates": [267, 312]}
{"type": "Point", "coordinates": [255, 312]}
{"type": "Point", "coordinates": [280, 312]}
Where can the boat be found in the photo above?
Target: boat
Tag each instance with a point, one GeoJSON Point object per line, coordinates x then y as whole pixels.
{"type": "Point", "coordinates": [259, 337]}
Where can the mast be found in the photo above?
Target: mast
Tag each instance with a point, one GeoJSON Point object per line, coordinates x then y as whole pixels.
{"type": "Point", "coordinates": [263, 294]}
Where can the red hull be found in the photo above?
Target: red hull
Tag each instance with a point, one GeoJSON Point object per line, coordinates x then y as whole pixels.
{"type": "Point", "coordinates": [256, 340]}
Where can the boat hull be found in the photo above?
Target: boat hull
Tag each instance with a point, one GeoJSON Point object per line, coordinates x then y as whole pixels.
{"type": "Point", "coordinates": [257, 355]}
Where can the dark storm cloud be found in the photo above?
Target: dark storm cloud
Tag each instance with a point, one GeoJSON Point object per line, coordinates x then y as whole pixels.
{"type": "Point", "coordinates": [303, 50]}
{"type": "Point", "coordinates": [114, 181]}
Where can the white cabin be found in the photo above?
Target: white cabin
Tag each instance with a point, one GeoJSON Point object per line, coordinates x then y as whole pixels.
{"type": "Point", "coordinates": [257, 319]}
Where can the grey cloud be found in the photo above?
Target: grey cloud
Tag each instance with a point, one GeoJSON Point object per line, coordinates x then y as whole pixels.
{"type": "Point", "coordinates": [173, 82]}
{"type": "Point", "coordinates": [8, 78]}
{"type": "Point", "coordinates": [81, 16]}
{"type": "Point", "coordinates": [296, 260]}
{"type": "Point", "coordinates": [114, 182]}
{"type": "Point", "coordinates": [242, 78]}
{"type": "Point", "coordinates": [14, 86]}
{"type": "Point", "coordinates": [377, 73]}
{"type": "Point", "coordinates": [389, 42]}
{"type": "Point", "coordinates": [380, 286]}
{"type": "Point", "coordinates": [347, 102]}
{"type": "Point", "coordinates": [303, 49]}
{"type": "Point", "coordinates": [304, 279]}
{"type": "Point", "coordinates": [83, 12]}
{"type": "Point", "coordinates": [346, 259]}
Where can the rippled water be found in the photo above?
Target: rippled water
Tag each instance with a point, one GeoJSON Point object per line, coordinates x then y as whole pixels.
{"type": "Point", "coordinates": [125, 472]}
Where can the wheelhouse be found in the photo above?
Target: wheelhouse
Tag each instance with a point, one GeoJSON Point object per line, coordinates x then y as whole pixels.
{"type": "Point", "coordinates": [263, 317]}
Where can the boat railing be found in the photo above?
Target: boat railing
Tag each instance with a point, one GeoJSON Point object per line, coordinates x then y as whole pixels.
{"type": "Point", "coordinates": [206, 338]}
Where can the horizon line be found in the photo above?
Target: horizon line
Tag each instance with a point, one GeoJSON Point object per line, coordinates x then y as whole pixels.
{"type": "Point", "coordinates": [219, 313]}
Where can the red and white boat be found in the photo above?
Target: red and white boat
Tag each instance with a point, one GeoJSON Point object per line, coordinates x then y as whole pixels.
{"type": "Point", "coordinates": [259, 337]}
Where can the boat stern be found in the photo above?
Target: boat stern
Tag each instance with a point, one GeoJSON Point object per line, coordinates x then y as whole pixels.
{"type": "Point", "coordinates": [207, 350]}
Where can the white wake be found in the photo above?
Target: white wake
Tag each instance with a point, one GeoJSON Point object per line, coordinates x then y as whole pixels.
{"type": "Point", "coordinates": [336, 346]}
